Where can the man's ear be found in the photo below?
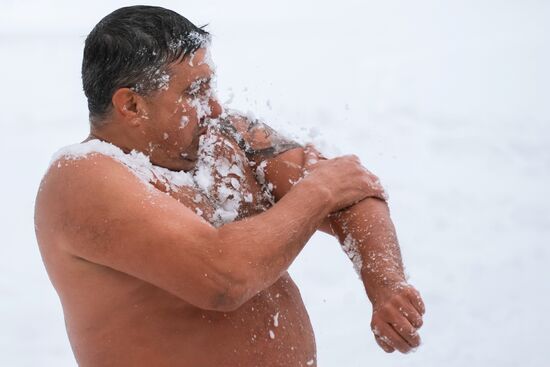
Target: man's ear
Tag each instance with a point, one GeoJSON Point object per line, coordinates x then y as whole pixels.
{"type": "Point", "coordinates": [129, 105]}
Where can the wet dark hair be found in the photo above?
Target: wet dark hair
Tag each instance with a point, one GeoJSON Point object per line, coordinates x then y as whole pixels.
{"type": "Point", "coordinates": [133, 47]}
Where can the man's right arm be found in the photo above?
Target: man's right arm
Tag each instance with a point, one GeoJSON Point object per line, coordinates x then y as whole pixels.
{"type": "Point", "coordinates": [106, 215]}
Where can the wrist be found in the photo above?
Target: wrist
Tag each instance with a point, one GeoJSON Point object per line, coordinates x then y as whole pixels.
{"type": "Point", "coordinates": [382, 286]}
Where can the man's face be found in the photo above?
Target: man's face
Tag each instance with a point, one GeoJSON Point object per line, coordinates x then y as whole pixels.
{"type": "Point", "coordinates": [176, 113]}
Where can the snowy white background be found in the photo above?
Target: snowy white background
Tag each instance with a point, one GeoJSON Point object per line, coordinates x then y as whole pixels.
{"type": "Point", "coordinates": [447, 101]}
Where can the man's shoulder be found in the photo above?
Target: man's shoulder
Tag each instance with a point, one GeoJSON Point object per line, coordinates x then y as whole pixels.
{"type": "Point", "coordinates": [88, 200]}
{"type": "Point", "coordinates": [255, 138]}
{"type": "Point", "coordinates": [93, 161]}
{"type": "Point", "coordinates": [278, 160]}
{"type": "Point", "coordinates": [72, 180]}
{"type": "Point", "coordinates": [70, 167]}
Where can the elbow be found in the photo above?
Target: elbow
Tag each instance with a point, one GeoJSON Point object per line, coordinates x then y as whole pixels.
{"type": "Point", "coordinates": [238, 286]}
{"type": "Point", "coordinates": [221, 294]}
{"type": "Point", "coordinates": [231, 294]}
{"type": "Point", "coordinates": [215, 293]}
{"type": "Point", "coordinates": [235, 281]}
{"type": "Point", "coordinates": [229, 300]}
{"type": "Point", "coordinates": [220, 277]}
{"type": "Point", "coordinates": [225, 289]}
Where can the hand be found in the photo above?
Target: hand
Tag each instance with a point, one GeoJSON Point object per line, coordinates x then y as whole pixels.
{"type": "Point", "coordinates": [396, 319]}
{"type": "Point", "coordinates": [347, 180]}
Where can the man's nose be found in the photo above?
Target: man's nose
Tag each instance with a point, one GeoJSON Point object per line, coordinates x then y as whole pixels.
{"type": "Point", "coordinates": [215, 108]}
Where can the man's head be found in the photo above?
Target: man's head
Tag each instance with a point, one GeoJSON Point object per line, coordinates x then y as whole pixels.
{"type": "Point", "coordinates": [146, 74]}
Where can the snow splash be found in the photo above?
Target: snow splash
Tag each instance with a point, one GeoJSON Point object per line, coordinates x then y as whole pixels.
{"type": "Point", "coordinates": [219, 178]}
{"type": "Point", "coordinates": [349, 245]}
{"type": "Point", "coordinates": [220, 174]}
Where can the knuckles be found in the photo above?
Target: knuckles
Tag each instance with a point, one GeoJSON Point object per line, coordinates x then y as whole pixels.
{"type": "Point", "coordinates": [390, 312]}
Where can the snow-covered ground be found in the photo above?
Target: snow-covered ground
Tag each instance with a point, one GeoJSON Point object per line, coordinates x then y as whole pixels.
{"type": "Point", "coordinates": [448, 102]}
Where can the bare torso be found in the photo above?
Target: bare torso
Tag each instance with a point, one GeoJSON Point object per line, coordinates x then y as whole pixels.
{"type": "Point", "coordinates": [114, 319]}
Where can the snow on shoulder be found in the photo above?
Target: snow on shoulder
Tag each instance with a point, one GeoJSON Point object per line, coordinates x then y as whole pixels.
{"type": "Point", "coordinates": [138, 163]}
{"type": "Point", "coordinates": [221, 181]}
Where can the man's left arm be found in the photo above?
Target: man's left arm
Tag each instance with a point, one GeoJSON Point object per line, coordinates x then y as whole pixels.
{"type": "Point", "coordinates": [365, 231]}
{"type": "Point", "coordinates": [367, 235]}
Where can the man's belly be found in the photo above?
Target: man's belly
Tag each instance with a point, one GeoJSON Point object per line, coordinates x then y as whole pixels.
{"type": "Point", "coordinates": [154, 328]}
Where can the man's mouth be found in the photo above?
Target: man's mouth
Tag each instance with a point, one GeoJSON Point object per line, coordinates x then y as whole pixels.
{"type": "Point", "coordinates": [202, 131]}
{"type": "Point", "coordinates": [189, 157]}
{"type": "Point", "coordinates": [193, 156]}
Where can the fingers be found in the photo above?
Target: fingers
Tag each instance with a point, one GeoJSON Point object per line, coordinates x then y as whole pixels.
{"type": "Point", "coordinates": [312, 155]}
{"type": "Point", "coordinates": [373, 186]}
{"type": "Point", "coordinates": [408, 332]}
{"type": "Point", "coordinates": [410, 305]}
{"type": "Point", "coordinates": [389, 336]}
{"type": "Point", "coordinates": [376, 186]}
{"type": "Point", "coordinates": [396, 320]}
{"type": "Point", "coordinates": [411, 314]}
{"type": "Point", "coordinates": [311, 148]}
{"type": "Point", "coordinates": [385, 346]}
{"type": "Point", "coordinates": [397, 329]}
{"type": "Point", "coordinates": [416, 300]}
{"type": "Point", "coordinates": [358, 185]}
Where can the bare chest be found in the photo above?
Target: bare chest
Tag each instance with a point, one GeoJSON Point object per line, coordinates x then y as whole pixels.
{"type": "Point", "coordinates": [225, 187]}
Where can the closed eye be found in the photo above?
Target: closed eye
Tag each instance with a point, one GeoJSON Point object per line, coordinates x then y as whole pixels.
{"type": "Point", "coordinates": [199, 86]}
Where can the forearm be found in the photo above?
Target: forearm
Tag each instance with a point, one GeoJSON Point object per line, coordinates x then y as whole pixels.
{"type": "Point", "coordinates": [368, 236]}
{"type": "Point", "coordinates": [261, 248]}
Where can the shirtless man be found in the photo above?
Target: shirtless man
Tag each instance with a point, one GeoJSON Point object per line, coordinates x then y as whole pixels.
{"type": "Point", "coordinates": [168, 232]}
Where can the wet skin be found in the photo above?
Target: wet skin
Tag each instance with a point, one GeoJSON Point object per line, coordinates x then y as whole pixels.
{"type": "Point", "coordinates": [132, 297]}
{"type": "Point", "coordinates": [114, 319]}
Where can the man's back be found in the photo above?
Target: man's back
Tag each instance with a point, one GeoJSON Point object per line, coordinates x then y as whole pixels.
{"type": "Point", "coordinates": [117, 319]}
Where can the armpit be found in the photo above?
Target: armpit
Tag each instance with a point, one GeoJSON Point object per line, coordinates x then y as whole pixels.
{"type": "Point", "coordinates": [256, 139]}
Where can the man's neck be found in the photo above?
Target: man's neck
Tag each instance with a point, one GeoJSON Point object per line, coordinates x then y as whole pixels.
{"type": "Point", "coordinates": [109, 132]}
